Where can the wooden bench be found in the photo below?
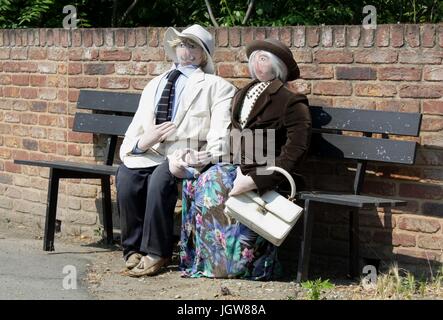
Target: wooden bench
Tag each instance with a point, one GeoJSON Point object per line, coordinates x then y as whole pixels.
{"type": "Point", "coordinates": [112, 114]}
{"type": "Point", "coordinates": [328, 141]}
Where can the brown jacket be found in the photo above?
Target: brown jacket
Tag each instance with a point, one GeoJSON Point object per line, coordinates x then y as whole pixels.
{"type": "Point", "coordinates": [288, 113]}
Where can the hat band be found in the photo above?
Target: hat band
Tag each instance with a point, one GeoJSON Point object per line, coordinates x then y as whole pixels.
{"type": "Point", "coordinates": [204, 44]}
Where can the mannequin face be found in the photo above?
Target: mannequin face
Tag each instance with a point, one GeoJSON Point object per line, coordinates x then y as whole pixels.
{"type": "Point", "coordinates": [189, 53]}
{"type": "Point", "coordinates": [263, 67]}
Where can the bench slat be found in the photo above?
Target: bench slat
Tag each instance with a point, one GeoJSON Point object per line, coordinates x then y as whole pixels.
{"type": "Point", "coordinates": [70, 165]}
{"type": "Point", "coordinates": [101, 123]}
{"type": "Point", "coordinates": [396, 123]}
{"type": "Point", "coordinates": [108, 101]}
{"type": "Point", "coordinates": [359, 201]}
{"type": "Point", "coordinates": [363, 148]}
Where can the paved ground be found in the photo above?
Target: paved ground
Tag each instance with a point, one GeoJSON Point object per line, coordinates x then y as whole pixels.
{"type": "Point", "coordinates": [27, 272]}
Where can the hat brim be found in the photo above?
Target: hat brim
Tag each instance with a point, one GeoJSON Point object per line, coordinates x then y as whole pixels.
{"type": "Point", "coordinates": [288, 60]}
{"type": "Point", "coordinates": [172, 34]}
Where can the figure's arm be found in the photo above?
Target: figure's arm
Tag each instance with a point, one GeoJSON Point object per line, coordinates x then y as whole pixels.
{"type": "Point", "coordinates": [297, 122]}
{"type": "Point", "coordinates": [217, 143]}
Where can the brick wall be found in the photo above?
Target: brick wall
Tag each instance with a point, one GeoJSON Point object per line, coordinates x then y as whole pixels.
{"type": "Point", "coordinates": [396, 67]}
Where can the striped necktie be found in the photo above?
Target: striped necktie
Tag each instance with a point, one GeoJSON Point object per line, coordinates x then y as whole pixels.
{"type": "Point", "coordinates": [166, 103]}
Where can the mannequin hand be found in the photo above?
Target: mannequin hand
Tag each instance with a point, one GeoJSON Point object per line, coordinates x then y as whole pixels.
{"type": "Point", "coordinates": [242, 184]}
{"type": "Point", "coordinates": [158, 133]}
{"type": "Point", "coordinates": [197, 158]}
{"type": "Point", "coordinates": [180, 168]}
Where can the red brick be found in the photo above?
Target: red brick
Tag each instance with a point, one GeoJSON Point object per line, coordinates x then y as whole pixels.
{"type": "Point", "coordinates": [130, 38]}
{"type": "Point", "coordinates": [87, 36]}
{"type": "Point", "coordinates": [367, 37]}
{"type": "Point", "coordinates": [37, 53]}
{"type": "Point", "coordinates": [333, 56]}
{"type": "Point", "coordinates": [79, 137]}
{"type": "Point", "coordinates": [19, 53]}
{"type": "Point", "coordinates": [299, 36]}
{"type": "Point", "coordinates": [399, 73]}
{"type": "Point", "coordinates": [47, 146]}
{"type": "Point", "coordinates": [74, 150]}
{"type": "Point", "coordinates": [149, 54]}
{"type": "Point", "coordinates": [20, 80]}
{"type": "Point", "coordinates": [99, 68]}
{"type": "Point", "coordinates": [97, 37]}
{"type": "Point", "coordinates": [37, 80]}
{"type": "Point", "coordinates": [397, 32]}
{"type": "Point", "coordinates": [424, 56]}
{"type": "Point", "coordinates": [260, 33]}
{"type": "Point", "coordinates": [224, 55]}
{"type": "Point", "coordinates": [139, 84]}
{"type": "Point", "coordinates": [375, 90]}
{"type": "Point", "coordinates": [421, 91]}
{"type": "Point", "coordinates": [433, 107]}
{"type": "Point", "coordinates": [355, 73]}
{"type": "Point", "coordinates": [234, 37]}
{"type": "Point", "coordinates": [339, 35]}
{"type": "Point", "coordinates": [375, 56]}
{"type": "Point", "coordinates": [74, 68]}
{"type": "Point", "coordinates": [83, 82]}
{"type": "Point", "coordinates": [382, 36]}
{"type": "Point", "coordinates": [5, 53]}
{"type": "Point", "coordinates": [316, 72]}
{"type": "Point", "coordinates": [326, 36]}
{"type": "Point", "coordinates": [114, 83]}
{"type": "Point", "coordinates": [428, 35]}
{"type": "Point", "coordinates": [355, 103]}
{"type": "Point", "coordinates": [115, 55]}
{"type": "Point", "coordinates": [413, 35]}
{"type": "Point", "coordinates": [312, 36]}
{"type": "Point", "coordinates": [430, 242]}
{"type": "Point", "coordinates": [285, 36]}
{"type": "Point", "coordinates": [421, 191]}
{"type": "Point", "coordinates": [401, 105]}
{"type": "Point", "coordinates": [28, 93]}
{"type": "Point", "coordinates": [300, 87]}
{"type": "Point", "coordinates": [433, 73]}
{"type": "Point", "coordinates": [403, 239]}
{"type": "Point", "coordinates": [222, 37]}
{"type": "Point", "coordinates": [153, 37]}
{"type": "Point", "coordinates": [333, 88]}
{"type": "Point", "coordinates": [419, 224]}
{"type": "Point", "coordinates": [120, 37]}
{"type": "Point", "coordinates": [11, 167]}
{"type": "Point", "coordinates": [39, 106]}
{"type": "Point", "coordinates": [141, 36]}
{"type": "Point", "coordinates": [353, 35]}
{"type": "Point", "coordinates": [226, 70]}
{"type": "Point", "coordinates": [432, 123]}
{"type": "Point", "coordinates": [247, 35]}
{"type": "Point", "coordinates": [30, 144]}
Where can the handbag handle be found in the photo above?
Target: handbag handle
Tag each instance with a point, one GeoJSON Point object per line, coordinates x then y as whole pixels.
{"type": "Point", "coordinates": [288, 176]}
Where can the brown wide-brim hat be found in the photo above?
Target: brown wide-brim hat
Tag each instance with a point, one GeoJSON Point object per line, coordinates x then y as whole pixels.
{"type": "Point", "coordinates": [280, 50]}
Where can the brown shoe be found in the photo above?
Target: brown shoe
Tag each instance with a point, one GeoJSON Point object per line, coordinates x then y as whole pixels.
{"type": "Point", "coordinates": [133, 260]}
{"type": "Point", "coordinates": [148, 266]}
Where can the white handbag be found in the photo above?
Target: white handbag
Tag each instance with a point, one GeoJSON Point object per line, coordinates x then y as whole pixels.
{"type": "Point", "coordinates": [271, 216]}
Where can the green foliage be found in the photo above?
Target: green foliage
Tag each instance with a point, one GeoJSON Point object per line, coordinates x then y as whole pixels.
{"type": "Point", "coordinates": [111, 13]}
{"type": "Point", "coordinates": [316, 287]}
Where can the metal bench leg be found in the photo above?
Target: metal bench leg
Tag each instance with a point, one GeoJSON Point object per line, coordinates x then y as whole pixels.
{"type": "Point", "coordinates": [51, 210]}
{"type": "Point", "coordinates": [353, 243]}
{"type": "Point", "coordinates": [305, 246]}
{"type": "Point", "coordinates": [107, 210]}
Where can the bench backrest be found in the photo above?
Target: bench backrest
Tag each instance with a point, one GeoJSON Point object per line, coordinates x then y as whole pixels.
{"type": "Point", "coordinates": [328, 139]}
{"type": "Point", "coordinates": [112, 114]}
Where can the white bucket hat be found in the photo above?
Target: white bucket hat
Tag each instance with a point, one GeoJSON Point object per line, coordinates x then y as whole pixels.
{"type": "Point", "coordinates": [196, 33]}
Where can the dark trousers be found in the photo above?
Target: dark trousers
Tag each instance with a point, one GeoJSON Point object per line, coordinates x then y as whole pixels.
{"type": "Point", "coordinates": [146, 198]}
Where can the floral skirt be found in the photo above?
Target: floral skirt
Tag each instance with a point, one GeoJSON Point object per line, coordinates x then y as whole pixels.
{"type": "Point", "coordinates": [214, 245]}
